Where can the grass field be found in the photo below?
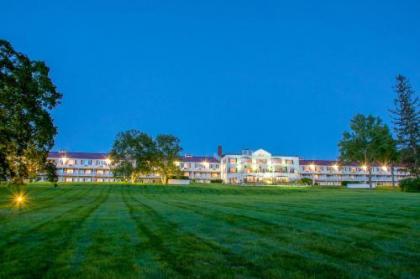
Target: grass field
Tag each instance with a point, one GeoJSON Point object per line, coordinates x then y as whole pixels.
{"type": "Point", "coordinates": [119, 231]}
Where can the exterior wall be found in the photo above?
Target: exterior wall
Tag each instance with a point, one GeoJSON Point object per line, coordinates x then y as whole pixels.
{"type": "Point", "coordinates": [81, 167]}
{"type": "Point", "coordinates": [331, 173]}
{"type": "Point", "coordinates": [259, 167]}
{"type": "Point", "coordinates": [200, 169]}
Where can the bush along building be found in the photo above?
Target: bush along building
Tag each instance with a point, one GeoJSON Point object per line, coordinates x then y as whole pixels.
{"type": "Point", "coordinates": [248, 167]}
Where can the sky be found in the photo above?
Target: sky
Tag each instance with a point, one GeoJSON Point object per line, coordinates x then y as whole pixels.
{"type": "Point", "coordinates": [286, 76]}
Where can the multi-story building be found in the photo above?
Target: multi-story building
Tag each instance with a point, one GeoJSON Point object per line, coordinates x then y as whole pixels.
{"type": "Point", "coordinates": [259, 167]}
{"type": "Point", "coordinates": [328, 172]}
{"type": "Point", "coordinates": [82, 166]}
{"type": "Point", "coordinates": [200, 168]}
{"type": "Point", "coordinates": [96, 167]}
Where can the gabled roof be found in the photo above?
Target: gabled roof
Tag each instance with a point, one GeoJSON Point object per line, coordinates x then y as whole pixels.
{"type": "Point", "coordinates": [261, 152]}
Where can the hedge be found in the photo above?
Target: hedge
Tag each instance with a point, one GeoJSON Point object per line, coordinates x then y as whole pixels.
{"type": "Point", "coordinates": [410, 185]}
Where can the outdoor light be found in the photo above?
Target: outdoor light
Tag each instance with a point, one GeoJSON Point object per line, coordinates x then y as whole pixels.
{"type": "Point", "coordinates": [335, 167]}
{"type": "Point", "coordinates": [108, 161]}
{"type": "Point", "coordinates": [364, 167]}
{"type": "Point", "coordinates": [384, 168]}
{"type": "Point", "coordinates": [312, 167]}
{"type": "Point", "coordinates": [206, 164]}
{"type": "Point", "coordinates": [19, 199]}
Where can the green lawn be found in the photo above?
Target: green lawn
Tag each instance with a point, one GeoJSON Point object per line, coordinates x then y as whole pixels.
{"type": "Point", "coordinates": [119, 231]}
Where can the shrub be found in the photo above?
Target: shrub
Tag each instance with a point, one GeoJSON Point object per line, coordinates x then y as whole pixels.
{"type": "Point", "coordinates": [305, 181]}
{"type": "Point", "coordinates": [184, 177]}
{"type": "Point", "coordinates": [219, 181]}
{"type": "Point", "coordinates": [410, 185]}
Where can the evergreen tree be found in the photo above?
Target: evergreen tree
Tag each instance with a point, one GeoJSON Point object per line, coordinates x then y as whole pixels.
{"type": "Point", "coordinates": [406, 117]}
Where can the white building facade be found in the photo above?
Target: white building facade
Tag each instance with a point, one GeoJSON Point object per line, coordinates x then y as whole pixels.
{"type": "Point", "coordinates": [82, 167]}
{"type": "Point", "coordinates": [259, 167]}
{"type": "Point", "coordinates": [200, 169]}
{"type": "Point", "coordinates": [329, 172]}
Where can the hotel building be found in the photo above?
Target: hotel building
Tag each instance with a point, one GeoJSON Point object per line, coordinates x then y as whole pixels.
{"type": "Point", "coordinates": [96, 167]}
{"type": "Point", "coordinates": [81, 167]}
{"type": "Point", "coordinates": [200, 169]}
{"type": "Point", "coordinates": [259, 167]}
{"type": "Point", "coordinates": [328, 172]}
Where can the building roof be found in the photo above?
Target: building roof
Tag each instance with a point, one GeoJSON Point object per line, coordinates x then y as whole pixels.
{"type": "Point", "coordinates": [199, 159]}
{"type": "Point", "coordinates": [331, 162]}
{"type": "Point", "coordinates": [102, 156]}
{"type": "Point", "coordinates": [78, 155]}
{"type": "Point", "coordinates": [318, 162]}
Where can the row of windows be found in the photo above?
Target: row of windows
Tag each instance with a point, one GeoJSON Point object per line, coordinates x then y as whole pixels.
{"type": "Point", "coordinates": [213, 166]}
{"type": "Point", "coordinates": [343, 169]}
{"type": "Point", "coordinates": [80, 162]}
{"type": "Point", "coordinates": [261, 161]}
{"type": "Point", "coordinates": [87, 179]}
{"type": "Point", "coordinates": [277, 169]}
{"type": "Point", "coordinates": [84, 172]}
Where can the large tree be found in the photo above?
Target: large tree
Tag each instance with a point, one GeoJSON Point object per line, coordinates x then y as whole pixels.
{"type": "Point", "coordinates": [136, 154]}
{"type": "Point", "coordinates": [27, 95]}
{"type": "Point", "coordinates": [133, 155]}
{"type": "Point", "coordinates": [368, 143]}
{"type": "Point", "coordinates": [406, 118]}
{"type": "Point", "coordinates": [168, 149]}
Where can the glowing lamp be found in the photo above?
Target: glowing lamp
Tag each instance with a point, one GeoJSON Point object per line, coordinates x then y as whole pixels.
{"type": "Point", "coordinates": [19, 199]}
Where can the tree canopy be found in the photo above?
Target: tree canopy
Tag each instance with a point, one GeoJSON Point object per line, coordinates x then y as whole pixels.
{"type": "Point", "coordinates": [27, 95]}
{"type": "Point", "coordinates": [406, 119]}
{"type": "Point", "coordinates": [369, 142]}
{"type": "Point", "coordinates": [135, 154]}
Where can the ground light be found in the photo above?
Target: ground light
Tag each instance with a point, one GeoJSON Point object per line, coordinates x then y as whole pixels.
{"type": "Point", "coordinates": [19, 200]}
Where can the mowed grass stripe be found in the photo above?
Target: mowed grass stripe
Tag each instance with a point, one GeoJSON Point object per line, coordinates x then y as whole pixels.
{"type": "Point", "coordinates": [120, 231]}
{"type": "Point", "coordinates": [317, 242]}
{"type": "Point", "coordinates": [186, 253]}
{"type": "Point", "coordinates": [53, 197]}
{"type": "Point", "coordinates": [276, 245]}
{"type": "Point", "coordinates": [148, 255]}
{"type": "Point", "coordinates": [317, 212]}
{"type": "Point", "coordinates": [30, 220]}
{"type": "Point", "coordinates": [34, 254]}
{"type": "Point", "coordinates": [108, 232]}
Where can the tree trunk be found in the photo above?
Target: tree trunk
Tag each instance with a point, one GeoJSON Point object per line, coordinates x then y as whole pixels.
{"type": "Point", "coordinates": [392, 175]}
{"type": "Point", "coordinates": [370, 177]}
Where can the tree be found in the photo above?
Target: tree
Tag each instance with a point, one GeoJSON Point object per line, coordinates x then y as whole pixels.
{"type": "Point", "coordinates": [133, 155]}
{"type": "Point", "coordinates": [406, 118]}
{"type": "Point", "coordinates": [27, 95]}
{"type": "Point", "coordinates": [368, 143]}
{"type": "Point", "coordinates": [51, 172]}
{"type": "Point", "coordinates": [168, 149]}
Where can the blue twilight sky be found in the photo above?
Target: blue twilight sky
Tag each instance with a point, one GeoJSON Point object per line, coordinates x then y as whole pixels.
{"type": "Point", "coordinates": [286, 76]}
